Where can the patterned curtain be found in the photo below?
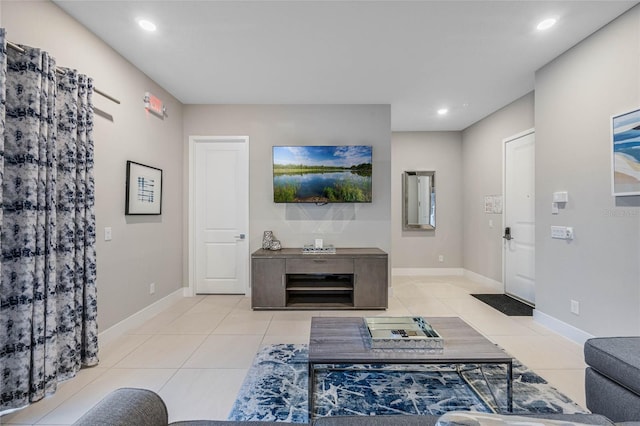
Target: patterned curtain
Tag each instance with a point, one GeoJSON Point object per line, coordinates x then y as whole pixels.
{"type": "Point", "coordinates": [48, 327]}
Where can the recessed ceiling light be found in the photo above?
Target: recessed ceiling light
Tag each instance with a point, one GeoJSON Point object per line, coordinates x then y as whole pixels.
{"type": "Point", "coordinates": [546, 24]}
{"type": "Point", "coordinates": [147, 25]}
{"type": "Point", "coordinates": [443, 111]}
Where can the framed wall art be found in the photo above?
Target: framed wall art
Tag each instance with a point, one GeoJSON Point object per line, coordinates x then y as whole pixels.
{"type": "Point", "coordinates": [625, 143]}
{"type": "Point", "coordinates": [144, 189]}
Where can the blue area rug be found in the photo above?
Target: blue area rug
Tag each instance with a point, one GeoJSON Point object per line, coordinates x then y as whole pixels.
{"type": "Point", "coordinates": [276, 388]}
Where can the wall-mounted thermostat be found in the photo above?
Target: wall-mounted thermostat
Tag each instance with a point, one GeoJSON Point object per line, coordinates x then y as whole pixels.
{"type": "Point", "coordinates": [560, 197]}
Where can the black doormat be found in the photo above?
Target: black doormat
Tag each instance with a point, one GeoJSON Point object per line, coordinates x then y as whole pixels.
{"type": "Point", "coordinates": [506, 304]}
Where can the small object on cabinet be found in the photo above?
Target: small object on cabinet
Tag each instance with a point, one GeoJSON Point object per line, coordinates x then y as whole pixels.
{"type": "Point", "coordinates": [275, 245]}
{"type": "Point", "coordinates": [267, 239]}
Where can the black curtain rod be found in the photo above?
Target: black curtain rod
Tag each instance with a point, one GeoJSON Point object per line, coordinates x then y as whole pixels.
{"type": "Point", "coordinates": [58, 70]}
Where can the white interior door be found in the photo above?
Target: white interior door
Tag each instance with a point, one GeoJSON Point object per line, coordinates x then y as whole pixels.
{"type": "Point", "coordinates": [220, 191]}
{"type": "Point", "coordinates": [519, 217]}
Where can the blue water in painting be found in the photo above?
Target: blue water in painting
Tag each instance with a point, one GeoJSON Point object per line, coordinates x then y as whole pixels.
{"type": "Point", "coordinates": [627, 143]}
{"type": "Point", "coordinates": [313, 184]}
{"type": "Point", "coordinates": [623, 136]}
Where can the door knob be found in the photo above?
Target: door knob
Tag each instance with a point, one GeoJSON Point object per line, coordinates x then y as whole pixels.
{"type": "Point", "coordinates": [241, 236]}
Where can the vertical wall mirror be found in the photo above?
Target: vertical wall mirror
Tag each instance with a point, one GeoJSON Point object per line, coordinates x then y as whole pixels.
{"type": "Point", "coordinates": [419, 206]}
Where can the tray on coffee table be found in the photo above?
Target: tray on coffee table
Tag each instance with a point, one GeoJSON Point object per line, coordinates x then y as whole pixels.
{"type": "Point", "coordinates": [402, 332]}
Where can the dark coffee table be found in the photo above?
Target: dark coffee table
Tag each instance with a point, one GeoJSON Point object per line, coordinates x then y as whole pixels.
{"type": "Point", "coordinates": [340, 341]}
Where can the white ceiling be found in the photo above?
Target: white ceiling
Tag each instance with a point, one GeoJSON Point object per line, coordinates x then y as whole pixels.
{"type": "Point", "coordinates": [473, 57]}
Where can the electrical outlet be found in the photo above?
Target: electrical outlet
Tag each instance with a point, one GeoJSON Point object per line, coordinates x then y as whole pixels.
{"type": "Point", "coordinates": [441, 258]}
{"type": "Point", "coordinates": [152, 288]}
{"type": "Point", "coordinates": [575, 307]}
{"type": "Point", "coordinates": [107, 233]}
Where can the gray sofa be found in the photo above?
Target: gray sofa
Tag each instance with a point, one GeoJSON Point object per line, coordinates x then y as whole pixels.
{"type": "Point", "coordinates": [141, 407]}
{"type": "Point", "coordinates": [612, 378]}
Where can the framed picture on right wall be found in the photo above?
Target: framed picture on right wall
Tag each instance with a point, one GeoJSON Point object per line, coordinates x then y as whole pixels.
{"type": "Point", "coordinates": [625, 157]}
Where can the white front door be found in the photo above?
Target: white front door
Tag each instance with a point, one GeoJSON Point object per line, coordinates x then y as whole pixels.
{"type": "Point", "coordinates": [219, 187]}
{"type": "Point", "coordinates": [519, 217]}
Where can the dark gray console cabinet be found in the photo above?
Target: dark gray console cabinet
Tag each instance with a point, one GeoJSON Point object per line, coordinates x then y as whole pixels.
{"type": "Point", "coordinates": [352, 278]}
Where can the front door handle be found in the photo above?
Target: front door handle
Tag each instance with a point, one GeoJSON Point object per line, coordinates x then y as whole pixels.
{"type": "Point", "coordinates": [507, 234]}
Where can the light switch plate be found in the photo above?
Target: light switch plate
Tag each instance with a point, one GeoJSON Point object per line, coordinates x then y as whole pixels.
{"type": "Point", "coordinates": [562, 232]}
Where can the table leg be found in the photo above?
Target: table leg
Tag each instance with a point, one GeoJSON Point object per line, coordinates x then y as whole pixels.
{"type": "Point", "coordinates": [510, 387]}
{"type": "Point", "coordinates": [312, 379]}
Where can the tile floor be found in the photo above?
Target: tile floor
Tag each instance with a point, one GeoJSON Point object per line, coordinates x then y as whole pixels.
{"type": "Point", "coordinates": [196, 353]}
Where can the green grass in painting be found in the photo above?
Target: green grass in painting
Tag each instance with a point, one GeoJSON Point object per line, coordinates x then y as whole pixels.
{"type": "Point", "coordinates": [348, 191]}
{"type": "Point", "coordinates": [285, 193]}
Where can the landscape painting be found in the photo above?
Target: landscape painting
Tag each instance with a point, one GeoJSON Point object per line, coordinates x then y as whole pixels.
{"type": "Point", "coordinates": [626, 153]}
{"type": "Point", "coordinates": [322, 174]}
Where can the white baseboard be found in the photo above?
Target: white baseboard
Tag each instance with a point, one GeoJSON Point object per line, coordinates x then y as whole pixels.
{"type": "Point", "coordinates": [562, 328]}
{"type": "Point", "coordinates": [473, 276]}
{"type": "Point", "coordinates": [112, 333]}
{"type": "Point", "coordinates": [408, 272]}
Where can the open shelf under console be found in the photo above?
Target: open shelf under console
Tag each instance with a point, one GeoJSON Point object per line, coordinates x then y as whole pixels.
{"type": "Point", "coordinates": [331, 290]}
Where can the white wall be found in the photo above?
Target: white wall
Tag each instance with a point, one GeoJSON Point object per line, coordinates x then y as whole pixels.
{"type": "Point", "coordinates": [144, 249]}
{"type": "Point", "coordinates": [343, 225]}
{"type": "Point", "coordinates": [482, 145]}
{"type": "Point", "coordinates": [428, 151]}
{"type": "Point", "coordinates": [576, 95]}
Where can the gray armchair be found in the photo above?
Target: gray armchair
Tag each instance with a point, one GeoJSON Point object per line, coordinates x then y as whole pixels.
{"type": "Point", "coordinates": [612, 378]}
